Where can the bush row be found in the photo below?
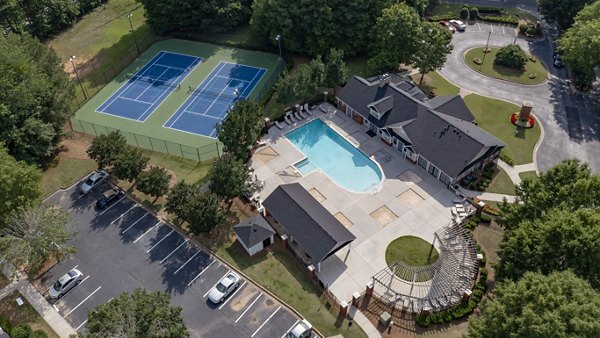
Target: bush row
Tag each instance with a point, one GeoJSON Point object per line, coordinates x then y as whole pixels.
{"type": "Point", "coordinates": [504, 156]}
{"type": "Point", "coordinates": [444, 17]}
{"type": "Point", "coordinates": [500, 19]}
{"type": "Point", "coordinates": [21, 330]}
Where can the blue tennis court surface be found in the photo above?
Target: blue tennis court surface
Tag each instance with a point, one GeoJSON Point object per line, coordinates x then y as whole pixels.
{"type": "Point", "coordinates": [211, 100]}
{"type": "Point", "coordinates": [146, 90]}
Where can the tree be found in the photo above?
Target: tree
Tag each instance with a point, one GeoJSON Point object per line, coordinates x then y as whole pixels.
{"type": "Point", "coordinates": [419, 5]}
{"type": "Point", "coordinates": [129, 163]}
{"type": "Point", "coordinates": [335, 69]}
{"type": "Point", "coordinates": [35, 96]}
{"type": "Point", "coordinates": [33, 236]}
{"type": "Point", "coordinates": [511, 56]}
{"type": "Point", "coordinates": [228, 177]}
{"type": "Point", "coordinates": [153, 182]}
{"type": "Point", "coordinates": [561, 12]}
{"type": "Point", "coordinates": [141, 314]}
{"type": "Point", "coordinates": [395, 38]}
{"type": "Point", "coordinates": [20, 185]}
{"type": "Point", "coordinates": [303, 83]}
{"type": "Point", "coordinates": [464, 13]}
{"type": "Point", "coordinates": [204, 213]}
{"type": "Point", "coordinates": [435, 45]}
{"type": "Point", "coordinates": [557, 305]}
{"type": "Point", "coordinates": [242, 127]}
{"type": "Point", "coordinates": [105, 148]}
{"type": "Point", "coordinates": [177, 199]}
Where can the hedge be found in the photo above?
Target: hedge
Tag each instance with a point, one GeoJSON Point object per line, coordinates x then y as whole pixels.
{"type": "Point", "coordinates": [445, 17]}
{"type": "Point", "coordinates": [5, 324]}
{"type": "Point", "coordinates": [499, 19]}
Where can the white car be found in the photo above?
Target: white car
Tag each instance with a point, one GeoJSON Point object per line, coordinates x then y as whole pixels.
{"type": "Point", "coordinates": [224, 287]}
{"type": "Point", "coordinates": [302, 330]}
{"type": "Point", "coordinates": [93, 181]}
{"type": "Point", "coordinates": [65, 283]}
{"type": "Point", "coordinates": [461, 26]}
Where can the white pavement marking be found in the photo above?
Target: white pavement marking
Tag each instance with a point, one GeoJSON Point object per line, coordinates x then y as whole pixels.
{"type": "Point", "coordinates": [233, 294]}
{"type": "Point", "coordinates": [217, 282]}
{"type": "Point", "coordinates": [157, 243]}
{"type": "Point", "coordinates": [86, 298]}
{"type": "Point", "coordinates": [144, 234]}
{"type": "Point", "coordinates": [134, 223]}
{"type": "Point", "coordinates": [181, 267]}
{"type": "Point", "coordinates": [492, 28]}
{"type": "Point", "coordinates": [248, 308]}
{"type": "Point", "coordinates": [502, 30]}
{"type": "Point", "coordinates": [478, 26]}
{"type": "Point", "coordinates": [80, 325]}
{"type": "Point", "coordinates": [123, 214]}
{"type": "Point", "coordinates": [201, 272]}
{"type": "Point", "coordinates": [117, 202]}
{"type": "Point", "coordinates": [290, 329]}
{"type": "Point", "coordinates": [172, 252]}
{"type": "Point", "coordinates": [55, 308]}
{"type": "Point", "coordinates": [263, 324]}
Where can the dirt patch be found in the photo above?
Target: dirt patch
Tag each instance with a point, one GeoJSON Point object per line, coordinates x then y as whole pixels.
{"type": "Point", "coordinates": [317, 195]}
{"type": "Point", "coordinates": [410, 198]}
{"type": "Point", "coordinates": [343, 219]}
{"type": "Point", "coordinates": [4, 281]}
{"type": "Point", "coordinates": [384, 215]}
{"type": "Point", "coordinates": [75, 146]}
{"type": "Point", "coordinates": [267, 154]}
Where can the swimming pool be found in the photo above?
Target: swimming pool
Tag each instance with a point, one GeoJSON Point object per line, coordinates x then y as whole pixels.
{"type": "Point", "coordinates": [335, 156]}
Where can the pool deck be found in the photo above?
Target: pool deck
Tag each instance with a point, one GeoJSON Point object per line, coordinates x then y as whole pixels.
{"type": "Point", "coordinates": [408, 202]}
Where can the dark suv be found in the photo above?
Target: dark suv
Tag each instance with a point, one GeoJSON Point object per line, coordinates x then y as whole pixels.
{"type": "Point", "coordinates": [109, 197]}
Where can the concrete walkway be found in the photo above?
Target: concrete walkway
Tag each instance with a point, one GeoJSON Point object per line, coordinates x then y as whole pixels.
{"type": "Point", "coordinates": [513, 172]}
{"type": "Point", "coordinates": [363, 322]}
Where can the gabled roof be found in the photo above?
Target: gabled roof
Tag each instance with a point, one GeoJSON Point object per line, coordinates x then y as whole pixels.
{"type": "Point", "coordinates": [309, 224]}
{"type": "Point", "coordinates": [253, 230]}
{"type": "Point", "coordinates": [453, 106]}
{"type": "Point", "coordinates": [383, 105]}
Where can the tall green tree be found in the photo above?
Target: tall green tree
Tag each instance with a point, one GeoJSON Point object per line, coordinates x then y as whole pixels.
{"type": "Point", "coordinates": [561, 12]}
{"type": "Point", "coordinates": [434, 46]}
{"type": "Point", "coordinates": [129, 163]}
{"type": "Point", "coordinates": [178, 197]}
{"type": "Point", "coordinates": [48, 17]}
{"type": "Point", "coordinates": [33, 236]}
{"type": "Point", "coordinates": [153, 182]}
{"type": "Point", "coordinates": [335, 69]}
{"type": "Point", "coordinates": [241, 128]}
{"type": "Point", "coordinates": [12, 17]}
{"type": "Point", "coordinates": [204, 212]}
{"type": "Point", "coordinates": [35, 96]}
{"type": "Point", "coordinates": [303, 83]}
{"type": "Point", "coordinates": [557, 305]}
{"type": "Point", "coordinates": [228, 177]}
{"type": "Point", "coordinates": [141, 314]}
{"type": "Point", "coordinates": [19, 185]}
{"type": "Point", "coordinates": [106, 147]}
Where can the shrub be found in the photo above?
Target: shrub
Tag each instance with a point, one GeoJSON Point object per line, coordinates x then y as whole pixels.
{"type": "Point", "coordinates": [21, 331]}
{"type": "Point", "coordinates": [5, 324]}
{"type": "Point", "coordinates": [507, 158]}
{"type": "Point", "coordinates": [523, 28]}
{"type": "Point", "coordinates": [464, 13]}
{"type": "Point", "coordinates": [444, 17]}
{"type": "Point", "coordinates": [532, 75]}
{"type": "Point", "coordinates": [499, 19]}
{"type": "Point", "coordinates": [532, 58]}
{"type": "Point", "coordinates": [474, 13]}
{"type": "Point", "coordinates": [491, 10]}
{"type": "Point", "coordinates": [38, 334]}
{"type": "Point", "coordinates": [486, 218]}
{"type": "Point", "coordinates": [477, 61]}
{"type": "Point", "coordinates": [531, 31]}
{"type": "Point", "coordinates": [511, 56]}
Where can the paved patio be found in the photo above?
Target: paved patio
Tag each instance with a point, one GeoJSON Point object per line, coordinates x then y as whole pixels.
{"type": "Point", "coordinates": [409, 201]}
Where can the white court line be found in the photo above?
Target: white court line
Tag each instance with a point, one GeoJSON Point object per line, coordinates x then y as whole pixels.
{"type": "Point", "coordinates": [135, 100]}
{"type": "Point", "coordinates": [144, 234]}
{"type": "Point", "coordinates": [134, 223]}
{"type": "Point", "coordinates": [86, 298]}
{"type": "Point", "coordinates": [117, 202]}
{"type": "Point", "coordinates": [204, 296]}
{"type": "Point", "coordinates": [152, 84]}
{"type": "Point", "coordinates": [172, 252]}
{"type": "Point", "coordinates": [157, 243]}
{"type": "Point", "coordinates": [82, 324]}
{"type": "Point", "coordinates": [233, 294]}
{"type": "Point", "coordinates": [181, 267]}
{"type": "Point", "coordinates": [201, 272]}
{"type": "Point", "coordinates": [290, 329]}
{"type": "Point", "coordinates": [123, 214]}
{"type": "Point", "coordinates": [248, 308]}
{"type": "Point", "coordinates": [263, 324]}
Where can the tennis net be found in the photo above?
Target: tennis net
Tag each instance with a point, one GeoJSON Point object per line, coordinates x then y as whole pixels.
{"type": "Point", "coordinates": [154, 82]}
{"type": "Point", "coordinates": [213, 93]}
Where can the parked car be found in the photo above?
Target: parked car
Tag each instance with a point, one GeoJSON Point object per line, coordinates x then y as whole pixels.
{"type": "Point", "coordinates": [65, 283]}
{"type": "Point", "coordinates": [446, 24]}
{"type": "Point", "coordinates": [93, 181]}
{"type": "Point", "coordinates": [109, 197]}
{"type": "Point", "coordinates": [302, 330]}
{"type": "Point", "coordinates": [459, 25]}
{"type": "Point", "coordinates": [558, 62]}
{"type": "Point", "coordinates": [224, 287]}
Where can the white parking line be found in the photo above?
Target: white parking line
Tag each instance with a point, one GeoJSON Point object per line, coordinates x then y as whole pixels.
{"type": "Point", "coordinates": [201, 272]}
{"type": "Point", "coordinates": [502, 30]}
{"type": "Point", "coordinates": [263, 324]}
{"type": "Point", "coordinates": [248, 308]}
{"type": "Point", "coordinates": [80, 325]}
{"type": "Point", "coordinates": [478, 26]}
{"type": "Point", "coordinates": [233, 294]}
{"type": "Point", "coordinates": [144, 234]}
{"type": "Point", "coordinates": [123, 214]}
{"type": "Point", "coordinates": [172, 252]}
{"type": "Point", "coordinates": [157, 243]}
{"type": "Point", "coordinates": [217, 282]}
{"type": "Point", "coordinates": [86, 298]}
{"type": "Point", "coordinates": [492, 28]}
{"type": "Point", "coordinates": [117, 202]}
{"type": "Point", "coordinates": [134, 223]}
{"type": "Point", "coordinates": [290, 329]}
{"type": "Point", "coordinates": [181, 267]}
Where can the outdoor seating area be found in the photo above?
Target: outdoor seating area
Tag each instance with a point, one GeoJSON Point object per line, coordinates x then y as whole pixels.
{"type": "Point", "coordinates": [461, 210]}
{"type": "Point", "coordinates": [301, 112]}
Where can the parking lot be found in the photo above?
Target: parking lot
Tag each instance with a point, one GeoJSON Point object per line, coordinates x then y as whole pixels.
{"type": "Point", "coordinates": [124, 247]}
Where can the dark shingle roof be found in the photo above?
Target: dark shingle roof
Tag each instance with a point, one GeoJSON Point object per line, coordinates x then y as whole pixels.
{"type": "Point", "coordinates": [253, 230]}
{"type": "Point", "coordinates": [453, 106]}
{"type": "Point", "coordinates": [316, 231]}
{"type": "Point", "coordinates": [384, 104]}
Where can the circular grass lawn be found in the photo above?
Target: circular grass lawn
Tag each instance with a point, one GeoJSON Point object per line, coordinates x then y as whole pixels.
{"type": "Point", "coordinates": [520, 76]}
{"type": "Point", "coordinates": [411, 250]}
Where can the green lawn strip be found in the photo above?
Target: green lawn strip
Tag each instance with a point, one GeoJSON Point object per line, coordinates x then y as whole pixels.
{"type": "Point", "coordinates": [493, 116]}
{"type": "Point", "coordinates": [358, 66]}
{"type": "Point", "coordinates": [64, 173]}
{"type": "Point", "coordinates": [494, 204]}
{"type": "Point", "coordinates": [488, 68]}
{"type": "Point", "coordinates": [240, 36]}
{"type": "Point", "coordinates": [502, 184]}
{"type": "Point", "coordinates": [528, 174]}
{"type": "Point", "coordinates": [489, 238]}
{"type": "Point", "coordinates": [448, 9]}
{"type": "Point", "coordinates": [411, 250]}
{"type": "Point", "coordinates": [23, 314]}
{"type": "Point", "coordinates": [437, 83]}
{"type": "Point", "coordinates": [185, 169]}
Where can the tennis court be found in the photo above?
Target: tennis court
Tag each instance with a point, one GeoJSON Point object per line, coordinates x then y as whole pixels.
{"type": "Point", "coordinates": [210, 102]}
{"type": "Point", "coordinates": [139, 97]}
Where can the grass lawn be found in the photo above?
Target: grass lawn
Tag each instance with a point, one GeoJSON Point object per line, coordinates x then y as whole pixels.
{"type": "Point", "coordinates": [494, 117]}
{"type": "Point", "coordinates": [436, 83]}
{"type": "Point", "coordinates": [488, 68]}
{"type": "Point", "coordinates": [528, 174]}
{"type": "Point", "coordinates": [24, 314]}
{"type": "Point", "coordinates": [501, 184]}
{"type": "Point", "coordinates": [358, 66]}
{"type": "Point", "coordinates": [494, 204]}
{"type": "Point", "coordinates": [411, 250]}
{"type": "Point", "coordinates": [446, 8]}
{"type": "Point", "coordinates": [64, 172]}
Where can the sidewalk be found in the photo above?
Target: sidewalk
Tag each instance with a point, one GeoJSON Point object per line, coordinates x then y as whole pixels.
{"type": "Point", "coordinates": [363, 322]}
{"type": "Point", "coordinates": [513, 172]}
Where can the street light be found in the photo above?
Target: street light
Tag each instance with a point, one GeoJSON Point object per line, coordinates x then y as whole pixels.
{"type": "Point", "coordinates": [133, 33]}
{"type": "Point", "coordinates": [485, 51]}
{"type": "Point", "coordinates": [278, 38]}
{"type": "Point", "coordinates": [72, 59]}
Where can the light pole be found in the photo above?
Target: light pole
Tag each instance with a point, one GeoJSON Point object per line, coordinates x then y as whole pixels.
{"type": "Point", "coordinates": [485, 51]}
{"type": "Point", "coordinates": [278, 38]}
{"type": "Point", "coordinates": [133, 33]}
{"type": "Point", "coordinates": [72, 59]}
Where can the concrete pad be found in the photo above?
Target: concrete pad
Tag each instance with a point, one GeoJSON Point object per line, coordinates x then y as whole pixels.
{"type": "Point", "coordinates": [410, 197]}
{"type": "Point", "coordinates": [383, 215]}
{"type": "Point", "coordinates": [409, 176]}
{"type": "Point", "coordinates": [316, 194]}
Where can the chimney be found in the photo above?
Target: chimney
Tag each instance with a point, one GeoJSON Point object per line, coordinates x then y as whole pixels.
{"type": "Point", "coordinates": [384, 79]}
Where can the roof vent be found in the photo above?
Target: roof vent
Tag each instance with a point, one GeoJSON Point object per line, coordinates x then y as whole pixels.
{"type": "Point", "coordinates": [384, 79]}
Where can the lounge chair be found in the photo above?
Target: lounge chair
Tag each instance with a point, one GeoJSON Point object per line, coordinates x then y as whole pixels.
{"type": "Point", "coordinates": [302, 114]}
{"type": "Point", "coordinates": [278, 125]}
{"type": "Point", "coordinates": [297, 116]}
{"type": "Point", "coordinates": [305, 107]}
{"type": "Point", "coordinates": [288, 119]}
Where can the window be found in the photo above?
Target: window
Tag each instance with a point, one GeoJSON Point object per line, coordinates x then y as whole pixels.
{"type": "Point", "coordinates": [422, 162]}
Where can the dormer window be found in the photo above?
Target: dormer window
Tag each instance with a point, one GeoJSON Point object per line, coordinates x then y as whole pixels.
{"type": "Point", "coordinates": [378, 108]}
{"type": "Point", "coordinates": [374, 113]}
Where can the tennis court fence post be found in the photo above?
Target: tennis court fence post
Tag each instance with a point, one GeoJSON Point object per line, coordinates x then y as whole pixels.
{"type": "Point", "coordinates": [136, 141]}
{"type": "Point", "coordinates": [198, 151]}
{"type": "Point", "coordinates": [94, 127]}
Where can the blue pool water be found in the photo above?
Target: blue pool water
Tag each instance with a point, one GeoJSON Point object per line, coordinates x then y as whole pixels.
{"type": "Point", "coordinates": [335, 156]}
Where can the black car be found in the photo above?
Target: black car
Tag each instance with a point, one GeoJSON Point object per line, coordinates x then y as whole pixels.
{"type": "Point", "coordinates": [109, 197]}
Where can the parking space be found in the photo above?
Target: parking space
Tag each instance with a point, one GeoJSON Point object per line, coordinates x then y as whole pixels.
{"type": "Point", "coordinates": [495, 29]}
{"type": "Point", "coordinates": [124, 247]}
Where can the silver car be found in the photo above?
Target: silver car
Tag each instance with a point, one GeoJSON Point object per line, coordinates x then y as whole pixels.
{"type": "Point", "coordinates": [93, 181]}
{"type": "Point", "coordinates": [302, 330]}
{"type": "Point", "coordinates": [65, 283]}
{"type": "Point", "coordinates": [224, 287]}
